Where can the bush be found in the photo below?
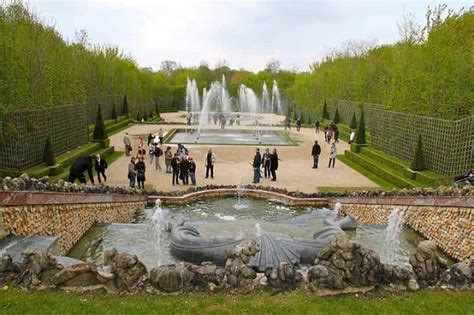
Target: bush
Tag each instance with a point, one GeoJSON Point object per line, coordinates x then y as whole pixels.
{"type": "Point", "coordinates": [336, 119]}
{"type": "Point", "coordinates": [325, 111]}
{"type": "Point", "coordinates": [48, 154]}
{"type": "Point", "coordinates": [353, 122]}
{"type": "Point", "coordinates": [418, 163]}
{"type": "Point", "coordinates": [114, 112]}
{"type": "Point", "coordinates": [360, 134]}
{"type": "Point", "coordinates": [100, 132]}
{"type": "Point", "coordinates": [125, 106]}
{"type": "Point", "coordinates": [145, 116]}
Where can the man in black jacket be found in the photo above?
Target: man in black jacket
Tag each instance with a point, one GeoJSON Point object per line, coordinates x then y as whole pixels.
{"type": "Point", "coordinates": [100, 167]}
{"type": "Point", "coordinates": [274, 164]}
{"type": "Point", "coordinates": [257, 161]}
{"type": "Point", "coordinates": [80, 165]}
{"type": "Point", "coordinates": [315, 152]}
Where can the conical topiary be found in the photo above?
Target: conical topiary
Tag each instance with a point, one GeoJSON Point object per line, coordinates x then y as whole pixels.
{"type": "Point", "coordinates": [145, 116]}
{"type": "Point", "coordinates": [114, 112]}
{"type": "Point", "coordinates": [360, 134]}
{"type": "Point", "coordinates": [100, 132]}
{"type": "Point", "coordinates": [353, 122]}
{"type": "Point", "coordinates": [418, 163]}
{"type": "Point", "coordinates": [125, 106]}
{"type": "Point", "coordinates": [336, 119]}
{"type": "Point", "coordinates": [48, 154]}
{"type": "Point", "coordinates": [325, 113]}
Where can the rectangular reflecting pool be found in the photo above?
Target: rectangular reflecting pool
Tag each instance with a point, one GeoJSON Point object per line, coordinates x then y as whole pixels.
{"type": "Point", "coordinates": [231, 137]}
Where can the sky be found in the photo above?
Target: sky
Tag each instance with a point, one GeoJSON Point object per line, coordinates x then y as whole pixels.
{"type": "Point", "coordinates": [247, 34]}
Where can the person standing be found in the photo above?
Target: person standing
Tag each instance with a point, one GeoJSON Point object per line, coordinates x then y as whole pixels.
{"type": "Point", "coordinates": [151, 152]}
{"type": "Point", "coordinates": [168, 158]}
{"type": "Point", "coordinates": [132, 173]}
{"type": "Point", "coordinates": [298, 124]}
{"type": "Point", "coordinates": [266, 163]}
{"type": "Point", "coordinates": [192, 171]}
{"type": "Point", "coordinates": [100, 167]}
{"type": "Point", "coordinates": [316, 126]}
{"type": "Point", "coordinates": [80, 165]}
{"type": "Point", "coordinates": [160, 136]}
{"type": "Point", "coordinates": [128, 144]}
{"type": "Point", "coordinates": [336, 133]}
{"type": "Point", "coordinates": [332, 155]}
{"type": "Point", "coordinates": [158, 153]}
{"type": "Point", "coordinates": [274, 164]}
{"type": "Point", "coordinates": [210, 160]}
{"type": "Point", "coordinates": [175, 166]}
{"type": "Point", "coordinates": [140, 169]}
{"type": "Point", "coordinates": [257, 161]}
{"type": "Point", "coordinates": [315, 152]}
{"type": "Point", "coordinates": [184, 170]}
{"type": "Point", "coordinates": [151, 137]}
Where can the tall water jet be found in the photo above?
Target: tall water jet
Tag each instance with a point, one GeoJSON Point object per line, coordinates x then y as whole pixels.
{"type": "Point", "coordinates": [337, 211]}
{"type": "Point", "coordinates": [266, 104]}
{"type": "Point", "coordinates": [276, 99]}
{"type": "Point", "coordinates": [157, 225]}
{"type": "Point", "coordinates": [248, 101]}
{"type": "Point", "coordinates": [391, 246]}
{"type": "Point", "coordinates": [192, 96]}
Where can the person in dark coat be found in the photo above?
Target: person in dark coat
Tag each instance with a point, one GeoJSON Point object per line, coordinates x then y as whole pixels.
{"type": "Point", "coordinates": [316, 126]}
{"type": "Point", "coordinates": [266, 162]}
{"type": "Point", "coordinates": [298, 124]}
{"type": "Point", "coordinates": [140, 168]}
{"type": "Point", "coordinates": [175, 166]}
{"type": "Point", "coordinates": [192, 171]}
{"type": "Point", "coordinates": [315, 152]}
{"type": "Point", "coordinates": [151, 137]}
{"type": "Point", "coordinates": [100, 167]}
{"type": "Point", "coordinates": [80, 165]}
{"type": "Point", "coordinates": [184, 170]}
{"type": "Point", "coordinates": [336, 133]}
{"type": "Point", "coordinates": [274, 164]}
{"type": "Point", "coordinates": [257, 162]}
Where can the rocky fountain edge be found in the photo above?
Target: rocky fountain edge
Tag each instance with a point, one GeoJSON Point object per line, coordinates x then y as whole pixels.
{"type": "Point", "coordinates": [43, 184]}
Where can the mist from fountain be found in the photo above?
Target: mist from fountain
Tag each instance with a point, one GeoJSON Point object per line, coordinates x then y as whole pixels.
{"type": "Point", "coordinates": [276, 99]}
{"type": "Point", "coordinates": [158, 224]}
{"type": "Point", "coordinates": [215, 99]}
{"type": "Point", "coordinates": [248, 101]}
{"type": "Point", "coordinates": [391, 246]}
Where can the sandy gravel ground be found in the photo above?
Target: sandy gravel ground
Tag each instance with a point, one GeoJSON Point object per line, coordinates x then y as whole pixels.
{"type": "Point", "coordinates": [295, 171]}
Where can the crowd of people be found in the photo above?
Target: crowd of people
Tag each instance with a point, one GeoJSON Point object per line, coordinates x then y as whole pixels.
{"type": "Point", "coordinates": [183, 167]}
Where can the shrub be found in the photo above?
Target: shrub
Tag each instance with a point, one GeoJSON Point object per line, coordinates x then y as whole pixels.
{"type": "Point", "coordinates": [418, 163]}
{"type": "Point", "coordinates": [145, 116]}
{"type": "Point", "coordinates": [353, 122]}
{"type": "Point", "coordinates": [114, 112]}
{"type": "Point", "coordinates": [125, 106]}
{"type": "Point", "coordinates": [100, 132]}
{"type": "Point", "coordinates": [360, 134]}
{"type": "Point", "coordinates": [48, 154]}
{"type": "Point", "coordinates": [325, 111]}
{"type": "Point", "coordinates": [336, 119]}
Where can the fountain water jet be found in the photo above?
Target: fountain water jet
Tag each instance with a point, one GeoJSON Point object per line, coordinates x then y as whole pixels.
{"type": "Point", "coordinates": [276, 99]}
{"type": "Point", "coordinates": [391, 246]}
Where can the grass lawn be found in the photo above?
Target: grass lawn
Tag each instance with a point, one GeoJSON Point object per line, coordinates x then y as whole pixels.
{"type": "Point", "coordinates": [426, 302]}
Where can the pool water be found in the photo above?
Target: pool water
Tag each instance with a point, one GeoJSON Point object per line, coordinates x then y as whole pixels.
{"type": "Point", "coordinates": [225, 217]}
{"type": "Point", "coordinates": [229, 136]}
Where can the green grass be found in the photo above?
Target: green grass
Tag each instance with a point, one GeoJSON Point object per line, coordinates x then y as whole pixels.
{"type": "Point", "coordinates": [373, 177]}
{"type": "Point", "coordinates": [426, 302]}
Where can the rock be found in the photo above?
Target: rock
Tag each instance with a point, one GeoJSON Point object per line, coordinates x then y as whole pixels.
{"type": "Point", "coordinates": [458, 276]}
{"type": "Point", "coordinates": [8, 269]}
{"type": "Point", "coordinates": [427, 266]}
{"type": "Point", "coordinates": [207, 277]}
{"type": "Point", "coordinates": [239, 273]}
{"type": "Point", "coordinates": [413, 285]}
{"type": "Point", "coordinates": [283, 278]}
{"type": "Point", "coordinates": [81, 275]}
{"type": "Point", "coordinates": [36, 267]}
{"type": "Point", "coordinates": [130, 273]}
{"type": "Point", "coordinates": [171, 278]}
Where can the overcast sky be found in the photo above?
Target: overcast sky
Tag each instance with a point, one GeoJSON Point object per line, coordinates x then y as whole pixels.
{"type": "Point", "coordinates": [244, 33]}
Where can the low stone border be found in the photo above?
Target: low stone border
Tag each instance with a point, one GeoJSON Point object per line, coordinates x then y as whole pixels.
{"type": "Point", "coordinates": [230, 192]}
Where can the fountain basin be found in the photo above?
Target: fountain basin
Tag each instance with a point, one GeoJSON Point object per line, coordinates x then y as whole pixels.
{"type": "Point", "coordinates": [230, 137]}
{"type": "Point", "coordinates": [218, 218]}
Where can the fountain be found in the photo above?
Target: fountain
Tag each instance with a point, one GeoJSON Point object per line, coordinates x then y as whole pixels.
{"type": "Point", "coordinates": [391, 245]}
{"type": "Point", "coordinates": [248, 101]}
{"type": "Point", "coordinates": [266, 104]}
{"type": "Point", "coordinates": [276, 99]}
{"type": "Point", "coordinates": [192, 97]}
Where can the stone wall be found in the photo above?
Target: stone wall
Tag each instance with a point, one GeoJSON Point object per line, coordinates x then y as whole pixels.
{"type": "Point", "coordinates": [69, 219]}
{"type": "Point", "coordinates": [452, 228]}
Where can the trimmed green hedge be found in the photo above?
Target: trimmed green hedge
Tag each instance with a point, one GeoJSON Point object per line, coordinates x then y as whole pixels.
{"type": "Point", "coordinates": [379, 170]}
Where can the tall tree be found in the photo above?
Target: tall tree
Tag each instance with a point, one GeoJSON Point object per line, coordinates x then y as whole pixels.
{"type": "Point", "coordinates": [100, 132]}
{"type": "Point", "coordinates": [418, 163]}
{"type": "Point", "coordinates": [336, 117]}
{"type": "Point", "coordinates": [360, 134]}
{"type": "Point", "coordinates": [48, 154]}
{"type": "Point", "coordinates": [353, 124]}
